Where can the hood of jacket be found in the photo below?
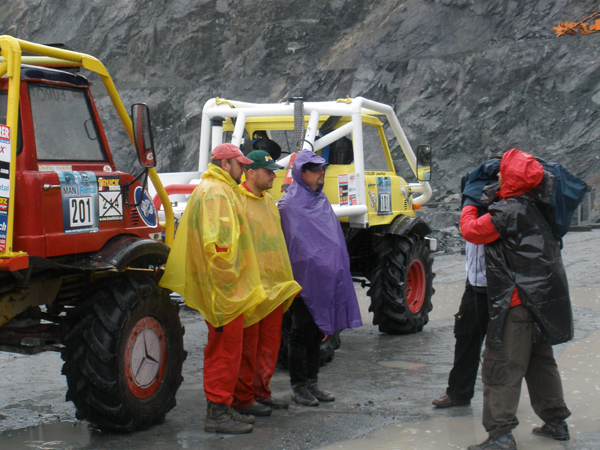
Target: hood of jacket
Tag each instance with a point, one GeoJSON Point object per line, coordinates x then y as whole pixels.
{"type": "Point", "coordinates": [214, 171]}
{"type": "Point", "coordinates": [304, 157]}
{"type": "Point", "coordinates": [520, 173]}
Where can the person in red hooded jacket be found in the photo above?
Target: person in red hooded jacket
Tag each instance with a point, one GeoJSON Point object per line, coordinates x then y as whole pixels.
{"type": "Point", "coordinates": [530, 308]}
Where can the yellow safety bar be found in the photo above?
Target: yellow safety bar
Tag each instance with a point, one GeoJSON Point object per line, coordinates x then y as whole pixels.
{"type": "Point", "coordinates": [10, 50]}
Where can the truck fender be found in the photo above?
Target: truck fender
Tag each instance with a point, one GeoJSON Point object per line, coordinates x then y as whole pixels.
{"type": "Point", "coordinates": [121, 251]}
{"type": "Point", "coordinates": [404, 225]}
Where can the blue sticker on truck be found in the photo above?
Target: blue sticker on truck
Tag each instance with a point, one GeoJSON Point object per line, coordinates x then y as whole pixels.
{"type": "Point", "coordinates": [146, 207]}
{"type": "Point", "coordinates": [3, 223]}
{"type": "Point", "coordinates": [79, 192]}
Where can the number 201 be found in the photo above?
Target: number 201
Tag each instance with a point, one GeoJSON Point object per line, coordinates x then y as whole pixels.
{"type": "Point", "coordinates": [81, 211]}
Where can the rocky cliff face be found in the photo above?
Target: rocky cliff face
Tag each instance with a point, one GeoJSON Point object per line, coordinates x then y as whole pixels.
{"type": "Point", "coordinates": [471, 78]}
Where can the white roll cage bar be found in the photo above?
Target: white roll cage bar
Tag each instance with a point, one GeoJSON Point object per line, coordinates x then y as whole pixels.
{"type": "Point", "coordinates": [353, 108]}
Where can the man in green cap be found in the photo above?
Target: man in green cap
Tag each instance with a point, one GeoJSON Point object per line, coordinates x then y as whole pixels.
{"type": "Point", "coordinates": [262, 325]}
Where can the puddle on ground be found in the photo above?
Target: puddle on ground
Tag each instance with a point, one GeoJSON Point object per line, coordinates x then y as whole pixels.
{"type": "Point", "coordinates": [585, 297]}
{"type": "Point", "coordinates": [401, 365]}
{"type": "Point", "coordinates": [62, 435]}
{"type": "Point", "coordinates": [31, 406]}
{"type": "Point", "coordinates": [441, 433]}
{"type": "Point", "coordinates": [579, 365]}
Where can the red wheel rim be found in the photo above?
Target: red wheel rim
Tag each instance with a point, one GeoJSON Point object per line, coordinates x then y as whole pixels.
{"type": "Point", "coordinates": [145, 357]}
{"type": "Point", "coordinates": [415, 286]}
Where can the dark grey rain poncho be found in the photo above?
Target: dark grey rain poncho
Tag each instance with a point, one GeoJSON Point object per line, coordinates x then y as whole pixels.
{"type": "Point", "coordinates": [526, 256]}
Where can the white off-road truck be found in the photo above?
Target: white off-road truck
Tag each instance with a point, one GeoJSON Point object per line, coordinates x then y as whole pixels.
{"type": "Point", "coordinates": [388, 245]}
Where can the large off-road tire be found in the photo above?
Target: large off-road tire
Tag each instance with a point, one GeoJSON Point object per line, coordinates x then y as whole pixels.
{"type": "Point", "coordinates": [401, 284]}
{"type": "Point", "coordinates": [124, 355]}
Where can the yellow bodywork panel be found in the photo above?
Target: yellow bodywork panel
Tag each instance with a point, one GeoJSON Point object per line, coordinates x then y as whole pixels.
{"type": "Point", "coordinates": [376, 215]}
{"type": "Point", "coordinates": [12, 304]}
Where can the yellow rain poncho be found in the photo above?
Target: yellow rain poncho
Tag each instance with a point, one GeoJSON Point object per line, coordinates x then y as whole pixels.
{"type": "Point", "coordinates": [271, 252]}
{"type": "Point", "coordinates": [220, 284]}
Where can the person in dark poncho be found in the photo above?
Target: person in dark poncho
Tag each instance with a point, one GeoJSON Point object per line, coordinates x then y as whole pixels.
{"type": "Point", "coordinates": [530, 308]}
{"type": "Point", "coordinates": [321, 265]}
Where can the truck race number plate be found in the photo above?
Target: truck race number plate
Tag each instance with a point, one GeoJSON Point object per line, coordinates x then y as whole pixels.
{"type": "Point", "coordinates": [80, 212]}
{"type": "Point", "coordinates": [384, 192]}
{"type": "Point", "coordinates": [79, 201]}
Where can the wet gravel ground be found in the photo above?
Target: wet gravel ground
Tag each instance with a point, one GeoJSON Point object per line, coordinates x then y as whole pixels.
{"type": "Point", "coordinates": [383, 385]}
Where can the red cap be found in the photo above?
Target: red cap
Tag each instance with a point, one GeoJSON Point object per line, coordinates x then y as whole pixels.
{"type": "Point", "coordinates": [226, 151]}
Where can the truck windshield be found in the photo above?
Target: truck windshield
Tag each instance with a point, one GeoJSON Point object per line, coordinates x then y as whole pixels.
{"type": "Point", "coordinates": [65, 129]}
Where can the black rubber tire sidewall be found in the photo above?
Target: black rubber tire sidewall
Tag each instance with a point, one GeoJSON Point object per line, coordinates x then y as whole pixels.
{"type": "Point", "coordinates": [94, 349]}
{"type": "Point", "coordinates": [391, 312]}
{"type": "Point", "coordinates": [154, 408]}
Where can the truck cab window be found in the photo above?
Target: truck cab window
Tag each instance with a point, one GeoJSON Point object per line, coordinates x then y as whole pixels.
{"type": "Point", "coordinates": [373, 149]}
{"type": "Point", "coordinates": [64, 125]}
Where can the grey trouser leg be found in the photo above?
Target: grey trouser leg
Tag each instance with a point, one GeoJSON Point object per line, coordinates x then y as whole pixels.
{"type": "Point", "coordinates": [545, 386]}
{"type": "Point", "coordinates": [504, 369]}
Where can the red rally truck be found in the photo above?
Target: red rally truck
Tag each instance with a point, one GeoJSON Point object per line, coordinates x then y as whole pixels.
{"type": "Point", "coordinates": [80, 243]}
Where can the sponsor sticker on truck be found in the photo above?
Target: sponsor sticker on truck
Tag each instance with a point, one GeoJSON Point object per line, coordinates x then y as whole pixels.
{"type": "Point", "coordinates": [3, 228]}
{"type": "Point", "coordinates": [146, 208]}
{"type": "Point", "coordinates": [5, 156]}
{"type": "Point", "coordinates": [110, 198]}
{"type": "Point", "coordinates": [79, 201]}
{"type": "Point", "coordinates": [347, 189]}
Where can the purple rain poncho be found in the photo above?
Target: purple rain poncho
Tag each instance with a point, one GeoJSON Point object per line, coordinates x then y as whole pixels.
{"type": "Point", "coordinates": [318, 252]}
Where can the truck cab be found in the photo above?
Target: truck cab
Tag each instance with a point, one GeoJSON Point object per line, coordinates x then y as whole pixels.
{"type": "Point", "coordinates": [75, 196]}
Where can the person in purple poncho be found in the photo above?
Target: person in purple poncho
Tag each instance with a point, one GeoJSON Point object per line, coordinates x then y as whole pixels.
{"type": "Point", "coordinates": [321, 265]}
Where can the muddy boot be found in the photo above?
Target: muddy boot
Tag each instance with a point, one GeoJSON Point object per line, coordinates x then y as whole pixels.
{"type": "Point", "coordinates": [244, 418]}
{"type": "Point", "coordinates": [219, 420]}
{"type": "Point", "coordinates": [301, 395]}
{"type": "Point", "coordinates": [320, 394]}
{"type": "Point", "coordinates": [558, 431]}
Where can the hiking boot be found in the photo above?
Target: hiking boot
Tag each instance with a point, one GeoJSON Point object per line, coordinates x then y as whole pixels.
{"type": "Point", "coordinates": [445, 401]}
{"type": "Point", "coordinates": [301, 395]}
{"type": "Point", "coordinates": [320, 394]}
{"type": "Point", "coordinates": [256, 409]}
{"type": "Point", "coordinates": [273, 403]}
{"type": "Point", "coordinates": [244, 418]}
{"type": "Point", "coordinates": [219, 420]}
{"type": "Point", "coordinates": [496, 444]}
{"type": "Point", "coordinates": [558, 431]}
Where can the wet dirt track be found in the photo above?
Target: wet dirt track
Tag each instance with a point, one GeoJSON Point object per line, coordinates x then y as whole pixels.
{"type": "Point", "coordinates": [383, 384]}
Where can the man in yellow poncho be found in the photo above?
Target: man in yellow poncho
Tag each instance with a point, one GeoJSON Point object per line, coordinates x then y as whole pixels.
{"type": "Point", "coordinates": [262, 335]}
{"type": "Point", "coordinates": [213, 266]}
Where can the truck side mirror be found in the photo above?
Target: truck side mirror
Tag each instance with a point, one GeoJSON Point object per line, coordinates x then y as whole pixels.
{"type": "Point", "coordinates": [142, 135]}
{"type": "Point", "coordinates": [424, 163]}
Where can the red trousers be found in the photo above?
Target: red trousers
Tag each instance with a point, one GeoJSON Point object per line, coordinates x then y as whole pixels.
{"type": "Point", "coordinates": [259, 357]}
{"type": "Point", "coordinates": [222, 357]}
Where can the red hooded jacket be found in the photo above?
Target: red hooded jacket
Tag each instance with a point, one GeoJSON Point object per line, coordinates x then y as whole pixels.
{"type": "Point", "coordinates": [520, 173]}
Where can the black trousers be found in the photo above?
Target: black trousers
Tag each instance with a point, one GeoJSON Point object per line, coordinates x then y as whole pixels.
{"type": "Point", "coordinates": [304, 344]}
{"type": "Point", "coordinates": [470, 326]}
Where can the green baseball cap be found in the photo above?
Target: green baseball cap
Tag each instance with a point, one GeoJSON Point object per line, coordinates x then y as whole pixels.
{"type": "Point", "coordinates": [263, 159]}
